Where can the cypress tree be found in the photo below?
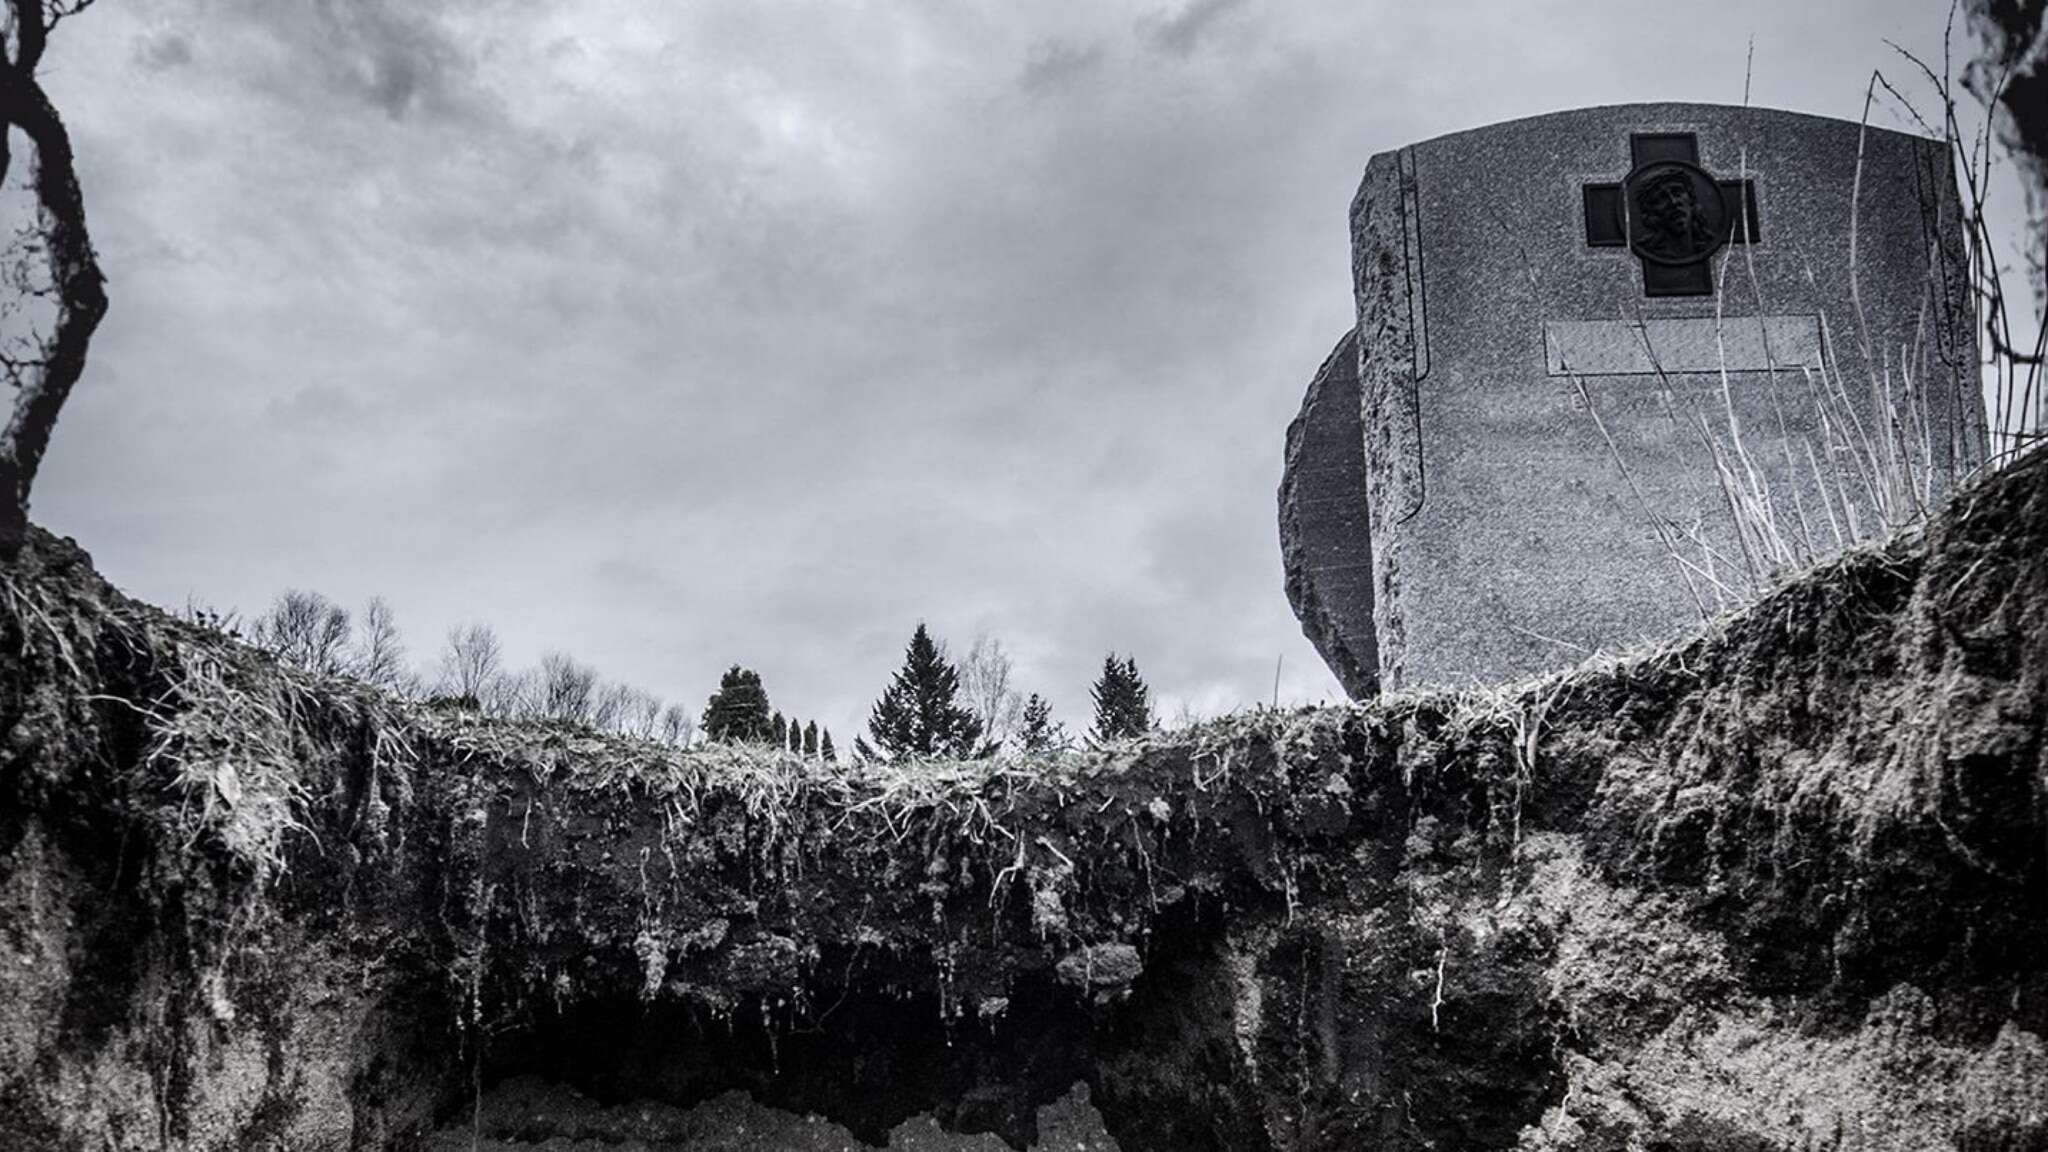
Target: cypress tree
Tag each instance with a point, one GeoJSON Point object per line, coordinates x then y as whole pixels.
{"type": "Point", "coordinates": [825, 749]}
{"type": "Point", "coordinates": [917, 715]}
{"type": "Point", "coordinates": [810, 748]}
{"type": "Point", "coordinates": [739, 709]}
{"type": "Point", "coordinates": [778, 732]}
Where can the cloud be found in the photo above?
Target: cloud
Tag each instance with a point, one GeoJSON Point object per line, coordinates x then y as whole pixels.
{"type": "Point", "coordinates": [323, 410]}
{"type": "Point", "coordinates": [1055, 62]}
{"type": "Point", "coordinates": [1180, 33]}
{"type": "Point", "coordinates": [608, 366]}
{"type": "Point", "coordinates": [163, 50]}
{"type": "Point", "coordinates": [395, 58]}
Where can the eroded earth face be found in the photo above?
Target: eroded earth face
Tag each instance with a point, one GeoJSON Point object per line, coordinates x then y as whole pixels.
{"type": "Point", "coordinates": [526, 1113]}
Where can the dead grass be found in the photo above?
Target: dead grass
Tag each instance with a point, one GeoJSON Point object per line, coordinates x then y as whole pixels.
{"type": "Point", "coordinates": [237, 747]}
{"type": "Point", "coordinates": [230, 736]}
{"type": "Point", "coordinates": [1879, 456]}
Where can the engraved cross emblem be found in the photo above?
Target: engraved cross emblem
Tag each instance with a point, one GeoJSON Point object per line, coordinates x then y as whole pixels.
{"type": "Point", "coordinates": [1671, 214]}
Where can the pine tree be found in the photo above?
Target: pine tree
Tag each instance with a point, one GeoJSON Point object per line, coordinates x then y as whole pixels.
{"type": "Point", "coordinates": [778, 732]}
{"type": "Point", "coordinates": [825, 749]}
{"type": "Point", "coordinates": [1138, 712]}
{"type": "Point", "coordinates": [1040, 732]}
{"type": "Point", "coordinates": [739, 709]}
{"type": "Point", "coordinates": [810, 748]}
{"type": "Point", "coordinates": [1123, 705]}
{"type": "Point", "coordinates": [917, 715]}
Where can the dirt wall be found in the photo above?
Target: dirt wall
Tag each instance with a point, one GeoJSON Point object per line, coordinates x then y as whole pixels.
{"type": "Point", "coordinates": [1779, 887]}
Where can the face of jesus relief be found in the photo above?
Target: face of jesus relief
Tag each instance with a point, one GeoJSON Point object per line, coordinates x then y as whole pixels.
{"type": "Point", "coordinates": [1674, 225]}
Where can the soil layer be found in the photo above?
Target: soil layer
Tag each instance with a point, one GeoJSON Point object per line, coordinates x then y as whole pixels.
{"type": "Point", "coordinates": [1778, 887]}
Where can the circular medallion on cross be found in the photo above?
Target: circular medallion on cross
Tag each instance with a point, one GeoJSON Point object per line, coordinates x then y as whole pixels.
{"type": "Point", "coordinates": [1673, 213]}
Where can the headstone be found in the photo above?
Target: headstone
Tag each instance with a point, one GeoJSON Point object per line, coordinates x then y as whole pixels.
{"type": "Point", "coordinates": [1324, 540]}
{"type": "Point", "coordinates": [1560, 320]}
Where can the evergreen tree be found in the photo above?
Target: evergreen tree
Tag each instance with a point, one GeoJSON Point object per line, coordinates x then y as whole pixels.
{"type": "Point", "coordinates": [1123, 705]}
{"type": "Point", "coordinates": [739, 709]}
{"type": "Point", "coordinates": [825, 749]}
{"type": "Point", "coordinates": [917, 715]}
{"type": "Point", "coordinates": [1040, 732]}
{"type": "Point", "coordinates": [810, 748]}
{"type": "Point", "coordinates": [778, 732]}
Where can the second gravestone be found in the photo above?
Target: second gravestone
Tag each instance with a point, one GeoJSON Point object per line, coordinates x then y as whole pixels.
{"type": "Point", "coordinates": [1610, 366]}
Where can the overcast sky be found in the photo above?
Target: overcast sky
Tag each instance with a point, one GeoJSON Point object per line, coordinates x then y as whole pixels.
{"type": "Point", "coordinates": [675, 335]}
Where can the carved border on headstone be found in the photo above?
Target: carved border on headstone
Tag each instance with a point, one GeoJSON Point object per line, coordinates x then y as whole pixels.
{"type": "Point", "coordinates": [1418, 333]}
{"type": "Point", "coordinates": [1955, 342]}
{"type": "Point", "coordinates": [1392, 318]}
{"type": "Point", "coordinates": [1418, 302]}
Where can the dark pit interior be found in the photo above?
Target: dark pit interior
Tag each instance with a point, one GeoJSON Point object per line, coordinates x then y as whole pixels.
{"type": "Point", "coordinates": [864, 1060]}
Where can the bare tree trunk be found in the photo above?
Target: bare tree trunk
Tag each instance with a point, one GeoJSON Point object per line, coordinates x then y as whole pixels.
{"type": "Point", "coordinates": [46, 378]}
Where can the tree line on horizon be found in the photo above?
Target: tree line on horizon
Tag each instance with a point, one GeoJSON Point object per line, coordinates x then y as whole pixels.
{"type": "Point", "coordinates": [932, 707]}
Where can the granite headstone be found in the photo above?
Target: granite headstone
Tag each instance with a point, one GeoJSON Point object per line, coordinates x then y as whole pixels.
{"type": "Point", "coordinates": [1659, 264]}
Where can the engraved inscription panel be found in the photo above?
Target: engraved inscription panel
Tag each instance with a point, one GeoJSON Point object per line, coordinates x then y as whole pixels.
{"type": "Point", "coordinates": [1686, 344]}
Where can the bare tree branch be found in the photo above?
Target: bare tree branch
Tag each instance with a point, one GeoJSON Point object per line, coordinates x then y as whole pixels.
{"type": "Point", "coordinates": [985, 681]}
{"type": "Point", "coordinates": [678, 725]}
{"type": "Point", "coordinates": [79, 288]}
{"type": "Point", "coordinates": [379, 658]}
{"type": "Point", "coordinates": [306, 631]}
{"type": "Point", "coordinates": [564, 689]}
{"type": "Point", "coordinates": [472, 664]}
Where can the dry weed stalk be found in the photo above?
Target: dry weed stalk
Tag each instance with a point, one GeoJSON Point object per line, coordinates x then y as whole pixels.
{"type": "Point", "coordinates": [1870, 465]}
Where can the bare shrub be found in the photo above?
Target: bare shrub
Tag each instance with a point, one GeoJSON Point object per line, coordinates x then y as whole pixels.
{"type": "Point", "coordinates": [306, 631]}
{"type": "Point", "coordinates": [379, 656]}
{"type": "Point", "coordinates": [678, 726]}
{"type": "Point", "coordinates": [564, 689]}
{"type": "Point", "coordinates": [472, 666]}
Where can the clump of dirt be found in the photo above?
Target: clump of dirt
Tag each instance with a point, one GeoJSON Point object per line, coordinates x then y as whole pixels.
{"type": "Point", "coordinates": [1780, 886]}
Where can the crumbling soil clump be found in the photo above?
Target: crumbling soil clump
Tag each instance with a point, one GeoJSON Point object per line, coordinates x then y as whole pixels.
{"type": "Point", "coordinates": [1780, 886]}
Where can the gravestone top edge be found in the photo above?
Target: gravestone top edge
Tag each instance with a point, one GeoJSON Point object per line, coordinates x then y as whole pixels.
{"type": "Point", "coordinates": [1655, 110]}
